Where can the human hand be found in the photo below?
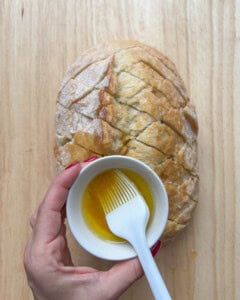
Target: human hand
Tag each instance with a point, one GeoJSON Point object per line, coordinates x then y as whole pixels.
{"type": "Point", "coordinates": [47, 260]}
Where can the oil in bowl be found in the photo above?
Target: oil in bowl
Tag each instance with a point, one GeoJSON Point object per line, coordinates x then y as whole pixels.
{"type": "Point", "coordinates": [91, 203]}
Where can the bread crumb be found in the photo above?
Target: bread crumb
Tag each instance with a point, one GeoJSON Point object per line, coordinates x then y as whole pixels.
{"type": "Point", "coordinates": [193, 254]}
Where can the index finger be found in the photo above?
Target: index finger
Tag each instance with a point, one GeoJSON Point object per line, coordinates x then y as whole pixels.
{"type": "Point", "coordinates": [49, 220]}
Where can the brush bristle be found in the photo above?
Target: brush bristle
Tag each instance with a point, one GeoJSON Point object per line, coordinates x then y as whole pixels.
{"type": "Point", "coordinates": [113, 189]}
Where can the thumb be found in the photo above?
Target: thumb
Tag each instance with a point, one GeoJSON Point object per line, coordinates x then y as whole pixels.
{"type": "Point", "coordinates": [121, 276]}
{"type": "Point", "coordinates": [125, 273]}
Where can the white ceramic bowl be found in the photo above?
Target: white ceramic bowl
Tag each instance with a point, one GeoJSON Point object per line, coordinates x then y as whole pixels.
{"type": "Point", "coordinates": [89, 240]}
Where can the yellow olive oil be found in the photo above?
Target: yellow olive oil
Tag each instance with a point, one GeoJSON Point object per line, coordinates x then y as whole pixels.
{"type": "Point", "coordinates": [91, 204]}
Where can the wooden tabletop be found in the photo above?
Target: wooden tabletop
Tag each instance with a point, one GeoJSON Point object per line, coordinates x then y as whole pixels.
{"type": "Point", "coordinates": [38, 41]}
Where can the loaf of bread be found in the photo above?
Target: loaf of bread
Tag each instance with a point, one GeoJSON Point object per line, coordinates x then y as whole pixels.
{"type": "Point", "coordinates": [127, 98]}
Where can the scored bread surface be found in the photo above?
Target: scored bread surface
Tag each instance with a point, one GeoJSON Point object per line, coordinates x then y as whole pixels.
{"type": "Point", "coordinates": [127, 98]}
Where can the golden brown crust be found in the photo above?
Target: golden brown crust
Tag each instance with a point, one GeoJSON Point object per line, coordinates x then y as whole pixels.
{"type": "Point", "coordinates": [128, 98]}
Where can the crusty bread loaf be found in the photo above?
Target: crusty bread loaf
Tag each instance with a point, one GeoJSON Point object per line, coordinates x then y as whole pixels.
{"type": "Point", "coordinates": [127, 98]}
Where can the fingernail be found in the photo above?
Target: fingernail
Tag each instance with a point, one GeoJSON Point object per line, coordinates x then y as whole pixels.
{"type": "Point", "coordinates": [72, 164]}
{"type": "Point", "coordinates": [63, 212]}
{"type": "Point", "coordinates": [155, 248]}
{"type": "Point", "coordinates": [92, 158]}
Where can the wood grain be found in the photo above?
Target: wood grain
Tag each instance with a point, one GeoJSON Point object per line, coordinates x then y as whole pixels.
{"type": "Point", "coordinates": [38, 41]}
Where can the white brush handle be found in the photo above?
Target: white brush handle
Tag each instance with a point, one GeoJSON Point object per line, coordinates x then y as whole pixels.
{"type": "Point", "coordinates": [150, 268]}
